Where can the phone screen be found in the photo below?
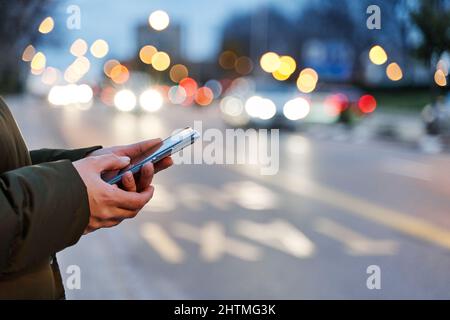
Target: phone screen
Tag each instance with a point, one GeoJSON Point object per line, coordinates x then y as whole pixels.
{"type": "Point", "coordinates": [167, 147]}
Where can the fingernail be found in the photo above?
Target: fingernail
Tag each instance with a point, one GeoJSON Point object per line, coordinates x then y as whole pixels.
{"type": "Point", "coordinates": [125, 159]}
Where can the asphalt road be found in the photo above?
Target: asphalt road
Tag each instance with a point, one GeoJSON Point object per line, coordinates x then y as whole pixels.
{"type": "Point", "coordinates": [336, 207]}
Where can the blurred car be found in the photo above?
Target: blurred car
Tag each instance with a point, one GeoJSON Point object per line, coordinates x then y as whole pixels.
{"type": "Point", "coordinates": [138, 95]}
{"type": "Point", "coordinates": [280, 105]}
{"type": "Point", "coordinates": [437, 116]}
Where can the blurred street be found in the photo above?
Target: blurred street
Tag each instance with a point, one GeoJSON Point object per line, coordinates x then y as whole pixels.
{"type": "Point", "coordinates": [336, 207]}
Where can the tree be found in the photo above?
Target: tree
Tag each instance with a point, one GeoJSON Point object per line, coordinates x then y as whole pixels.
{"type": "Point", "coordinates": [19, 21]}
{"type": "Point", "coordinates": [432, 20]}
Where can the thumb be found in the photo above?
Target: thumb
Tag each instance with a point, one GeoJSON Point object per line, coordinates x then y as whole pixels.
{"type": "Point", "coordinates": [111, 162]}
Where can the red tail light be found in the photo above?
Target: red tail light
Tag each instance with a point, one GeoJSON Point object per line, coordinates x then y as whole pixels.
{"type": "Point", "coordinates": [367, 104]}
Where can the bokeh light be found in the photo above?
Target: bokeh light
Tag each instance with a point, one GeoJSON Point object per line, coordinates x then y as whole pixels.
{"type": "Point", "coordinates": [78, 48]}
{"type": "Point", "coordinates": [71, 76]}
{"type": "Point", "coordinates": [56, 96]}
{"type": "Point", "coordinates": [296, 109]}
{"type": "Point", "coordinates": [204, 96]}
{"type": "Point", "coordinates": [70, 94]}
{"type": "Point", "coordinates": [258, 107]}
{"type": "Point", "coordinates": [159, 20]}
{"type": "Point", "coordinates": [377, 55]}
{"type": "Point", "coordinates": [177, 94]}
{"type": "Point", "coordinates": [178, 72]}
{"type": "Point", "coordinates": [190, 86]}
{"type": "Point", "coordinates": [28, 53]}
{"type": "Point", "coordinates": [38, 62]}
{"type": "Point", "coordinates": [125, 100]}
{"type": "Point", "coordinates": [146, 54]}
{"type": "Point", "coordinates": [367, 103]}
{"type": "Point", "coordinates": [81, 65]}
{"type": "Point", "coordinates": [37, 72]}
{"type": "Point", "coordinates": [270, 62]}
{"type": "Point", "coordinates": [120, 74]}
{"type": "Point", "coordinates": [99, 48]}
{"type": "Point", "coordinates": [151, 100]}
{"type": "Point", "coordinates": [336, 103]}
{"type": "Point", "coordinates": [109, 65]}
{"type": "Point", "coordinates": [267, 109]}
{"type": "Point", "coordinates": [215, 86]}
{"type": "Point", "coordinates": [160, 61]}
{"type": "Point", "coordinates": [47, 25]}
{"type": "Point", "coordinates": [232, 106]}
{"type": "Point", "coordinates": [394, 72]}
{"type": "Point", "coordinates": [252, 106]}
{"type": "Point", "coordinates": [227, 60]}
{"type": "Point", "coordinates": [244, 65]}
{"type": "Point", "coordinates": [279, 76]}
{"type": "Point", "coordinates": [287, 66]}
{"type": "Point", "coordinates": [85, 93]}
{"type": "Point", "coordinates": [439, 78]}
{"type": "Point", "coordinates": [50, 76]}
{"type": "Point", "coordinates": [307, 80]}
{"type": "Point", "coordinates": [77, 69]}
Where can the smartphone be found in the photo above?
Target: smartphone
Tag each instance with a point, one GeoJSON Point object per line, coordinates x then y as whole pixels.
{"type": "Point", "coordinates": [167, 147]}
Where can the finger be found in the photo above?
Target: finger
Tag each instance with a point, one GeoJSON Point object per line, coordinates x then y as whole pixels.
{"type": "Point", "coordinates": [132, 200]}
{"type": "Point", "coordinates": [128, 182]}
{"type": "Point", "coordinates": [137, 149]}
{"type": "Point", "coordinates": [163, 164]}
{"type": "Point", "coordinates": [110, 162]}
{"type": "Point", "coordinates": [145, 176]}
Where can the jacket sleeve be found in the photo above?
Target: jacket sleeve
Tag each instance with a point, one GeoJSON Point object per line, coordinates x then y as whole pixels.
{"type": "Point", "coordinates": [47, 155]}
{"type": "Point", "coordinates": [43, 209]}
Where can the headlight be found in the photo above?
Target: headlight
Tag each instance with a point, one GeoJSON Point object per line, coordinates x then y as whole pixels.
{"type": "Point", "coordinates": [85, 93]}
{"type": "Point", "coordinates": [252, 106]}
{"type": "Point", "coordinates": [231, 106]}
{"type": "Point", "coordinates": [57, 96]}
{"type": "Point", "coordinates": [70, 94]}
{"type": "Point", "coordinates": [257, 107]}
{"type": "Point", "coordinates": [296, 109]}
{"type": "Point", "coordinates": [267, 110]}
{"type": "Point", "coordinates": [151, 100]}
{"type": "Point", "coordinates": [125, 100]}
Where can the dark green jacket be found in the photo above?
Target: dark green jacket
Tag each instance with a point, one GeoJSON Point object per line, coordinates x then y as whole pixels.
{"type": "Point", "coordinates": [44, 208]}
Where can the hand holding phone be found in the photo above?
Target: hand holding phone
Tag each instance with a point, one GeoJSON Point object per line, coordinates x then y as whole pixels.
{"type": "Point", "coordinates": [167, 147]}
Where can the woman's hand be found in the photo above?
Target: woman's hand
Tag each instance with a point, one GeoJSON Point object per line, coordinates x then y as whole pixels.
{"type": "Point", "coordinates": [108, 204]}
{"type": "Point", "coordinates": [134, 151]}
